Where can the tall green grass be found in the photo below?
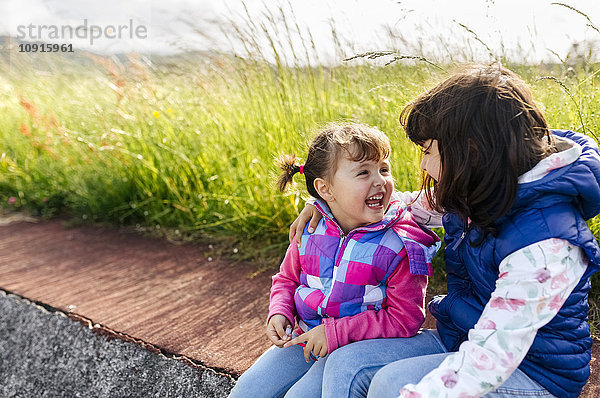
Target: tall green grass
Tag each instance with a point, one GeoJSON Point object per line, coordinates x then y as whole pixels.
{"type": "Point", "coordinates": [194, 150]}
{"type": "Point", "coordinates": [191, 151]}
{"type": "Point", "coordinates": [185, 146]}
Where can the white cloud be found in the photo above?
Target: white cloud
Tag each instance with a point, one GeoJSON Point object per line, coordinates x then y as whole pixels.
{"type": "Point", "coordinates": [529, 26]}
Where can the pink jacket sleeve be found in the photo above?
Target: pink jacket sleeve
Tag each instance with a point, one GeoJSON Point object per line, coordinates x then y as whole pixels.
{"type": "Point", "coordinates": [401, 317]}
{"type": "Point", "coordinates": [284, 285]}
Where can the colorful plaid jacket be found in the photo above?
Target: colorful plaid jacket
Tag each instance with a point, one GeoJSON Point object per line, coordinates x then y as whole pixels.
{"type": "Point", "coordinates": [342, 275]}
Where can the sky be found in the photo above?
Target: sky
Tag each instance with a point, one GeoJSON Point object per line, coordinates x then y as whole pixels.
{"type": "Point", "coordinates": [531, 30]}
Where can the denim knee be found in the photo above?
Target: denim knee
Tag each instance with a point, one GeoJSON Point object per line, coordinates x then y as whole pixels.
{"type": "Point", "coordinates": [381, 382]}
{"type": "Point", "coordinates": [347, 374]}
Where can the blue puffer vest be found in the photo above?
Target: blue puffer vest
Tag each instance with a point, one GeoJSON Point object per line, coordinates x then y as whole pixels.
{"type": "Point", "coordinates": [555, 206]}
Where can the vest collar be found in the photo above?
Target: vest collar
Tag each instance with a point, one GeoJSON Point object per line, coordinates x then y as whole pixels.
{"type": "Point", "coordinates": [553, 162]}
{"type": "Point", "coordinates": [394, 212]}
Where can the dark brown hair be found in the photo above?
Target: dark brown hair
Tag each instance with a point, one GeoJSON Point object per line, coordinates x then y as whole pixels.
{"type": "Point", "coordinates": [489, 131]}
{"type": "Point", "coordinates": [357, 141]}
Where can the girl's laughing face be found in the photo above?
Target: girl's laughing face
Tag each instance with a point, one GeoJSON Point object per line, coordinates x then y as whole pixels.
{"type": "Point", "coordinates": [359, 193]}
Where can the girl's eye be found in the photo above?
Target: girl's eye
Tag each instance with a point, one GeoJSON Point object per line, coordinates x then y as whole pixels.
{"type": "Point", "coordinates": [385, 170]}
{"type": "Point", "coordinates": [362, 172]}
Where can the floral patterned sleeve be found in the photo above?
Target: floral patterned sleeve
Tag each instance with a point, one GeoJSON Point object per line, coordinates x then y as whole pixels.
{"type": "Point", "coordinates": [418, 206]}
{"type": "Point", "coordinates": [533, 284]}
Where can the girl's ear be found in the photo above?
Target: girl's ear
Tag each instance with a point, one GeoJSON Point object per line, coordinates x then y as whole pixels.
{"type": "Point", "coordinates": [323, 189]}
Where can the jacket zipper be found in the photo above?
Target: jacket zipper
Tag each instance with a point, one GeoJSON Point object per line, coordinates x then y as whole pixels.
{"type": "Point", "coordinates": [459, 241]}
{"type": "Point", "coordinates": [340, 251]}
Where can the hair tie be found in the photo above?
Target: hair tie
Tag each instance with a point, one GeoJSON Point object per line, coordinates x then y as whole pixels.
{"type": "Point", "coordinates": [301, 171]}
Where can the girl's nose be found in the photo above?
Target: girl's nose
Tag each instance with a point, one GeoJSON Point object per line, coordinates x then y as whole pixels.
{"type": "Point", "coordinates": [379, 180]}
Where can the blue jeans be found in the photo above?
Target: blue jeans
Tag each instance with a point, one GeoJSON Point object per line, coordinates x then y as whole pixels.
{"type": "Point", "coordinates": [381, 367]}
{"type": "Point", "coordinates": [281, 372]}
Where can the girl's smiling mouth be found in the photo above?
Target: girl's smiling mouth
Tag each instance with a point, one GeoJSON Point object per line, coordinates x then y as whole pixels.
{"type": "Point", "coordinates": [375, 200]}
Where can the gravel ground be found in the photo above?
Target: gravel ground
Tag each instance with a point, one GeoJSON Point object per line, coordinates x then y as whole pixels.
{"type": "Point", "coordinates": [47, 354]}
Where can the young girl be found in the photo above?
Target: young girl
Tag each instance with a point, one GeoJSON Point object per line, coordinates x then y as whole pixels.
{"type": "Point", "coordinates": [361, 275]}
{"type": "Point", "coordinates": [519, 254]}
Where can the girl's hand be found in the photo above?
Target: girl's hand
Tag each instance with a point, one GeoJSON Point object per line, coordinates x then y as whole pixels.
{"type": "Point", "coordinates": [309, 213]}
{"type": "Point", "coordinates": [315, 340]}
{"type": "Point", "coordinates": [277, 329]}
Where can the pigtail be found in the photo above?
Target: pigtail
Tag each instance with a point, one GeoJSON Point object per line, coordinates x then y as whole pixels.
{"type": "Point", "coordinates": [290, 166]}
